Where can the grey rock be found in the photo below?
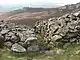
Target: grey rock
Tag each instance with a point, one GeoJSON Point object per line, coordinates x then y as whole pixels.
{"type": "Point", "coordinates": [14, 39]}
{"type": "Point", "coordinates": [19, 29]}
{"type": "Point", "coordinates": [8, 44]}
{"type": "Point", "coordinates": [49, 52]}
{"type": "Point", "coordinates": [60, 51]}
{"type": "Point", "coordinates": [7, 38]}
{"type": "Point", "coordinates": [22, 37]}
{"type": "Point", "coordinates": [18, 48]}
{"type": "Point", "coordinates": [2, 25]}
{"type": "Point", "coordinates": [31, 39]}
{"type": "Point", "coordinates": [76, 14]}
{"type": "Point", "coordinates": [33, 48]}
{"type": "Point", "coordinates": [10, 34]}
{"type": "Point", "coordinates": [21, 43]}
{"type": "Point", "coordinates": [29, 32]}
{"type": "Point", "coordinates": [4, 32]}
{"type": "Point", "coordinates": [56, 37]}
{"type": "Point", "coordinates": [16, 26]}
{"type": "Point", "coordinates": [24, 29]}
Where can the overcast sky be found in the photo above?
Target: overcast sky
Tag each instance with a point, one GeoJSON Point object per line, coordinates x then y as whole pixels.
{"type": "Point", "coordinates": [61, 2]}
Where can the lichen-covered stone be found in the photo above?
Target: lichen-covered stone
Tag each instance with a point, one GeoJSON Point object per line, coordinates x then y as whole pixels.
{"type": "Point", "coordinates": [18, 48]}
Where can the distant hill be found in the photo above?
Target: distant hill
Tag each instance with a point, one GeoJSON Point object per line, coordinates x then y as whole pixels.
{"type": "Point", "coordinates": [36, 4]}
{"type": "Point", "coordinates": [29, 15]}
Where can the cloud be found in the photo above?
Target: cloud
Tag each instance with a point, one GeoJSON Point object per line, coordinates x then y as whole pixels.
{"type": "Point", "coordinates": [64, 2]}
{"type": "Point", "coordinates": [38, 2]}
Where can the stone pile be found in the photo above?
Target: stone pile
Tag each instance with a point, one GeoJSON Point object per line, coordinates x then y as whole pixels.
{"type": "Point", "coordinates": [61, 30]}
{"type": "Point", "coordinates": [18, 38]}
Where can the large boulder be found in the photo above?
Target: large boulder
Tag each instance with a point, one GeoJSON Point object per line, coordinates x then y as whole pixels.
{"type": "Point", "coordinates": [18, 48]}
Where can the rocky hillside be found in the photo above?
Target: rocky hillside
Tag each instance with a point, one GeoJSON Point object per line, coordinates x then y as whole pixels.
{"type": "Point", "coordinates": [28, 18]}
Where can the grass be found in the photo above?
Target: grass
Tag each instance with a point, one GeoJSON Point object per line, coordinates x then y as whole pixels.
{"type": "Point", "coordinates": [69, 54]}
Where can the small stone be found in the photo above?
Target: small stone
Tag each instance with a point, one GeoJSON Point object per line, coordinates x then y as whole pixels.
{"type": "Point", "coordinates": [8, 44]}
{"type": "Point", "coordinates": [77, 14]}
{"type": "Point", "coordinates": [29, 32]}
{"type": "Point", "coordinates": [14, 39]}
{"type": "Point", "coordinates": [21, 43]}
{"type": "Point", "coordinates": [60, 51]}
{"type": "Point", "coordinates": [56, 37]}
{"type": "Point", "coordinates": [7, 38]}
{"type": "Point", "coordinates": [24, 29]}
{"type": "Point", "coordinates": [10, 34]}
{"type": "Point", "coordinates": [77, 52]}
{"type": "Point", "coordinates": [16, 26]}
{"type": "Point", "coordinates": [4, 31]}
{"type": "Point", "coordinates": [30, 39]}
{"type": "Point", "coordinates": [50, 52]}
{"type": "Point", "coordinates": [1, 40]}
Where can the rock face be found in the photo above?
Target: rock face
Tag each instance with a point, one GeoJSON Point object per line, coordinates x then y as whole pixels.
{"type": "Point", "coordinates": [62, 30]}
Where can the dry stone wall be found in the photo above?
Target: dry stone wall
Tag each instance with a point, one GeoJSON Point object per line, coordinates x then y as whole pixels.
{"type": "Point", "coordinates": [61, 30]}
{"type": "Point", "coordinates": [18, 38]}
{"type": "Point", "coordinates": [45, 35]}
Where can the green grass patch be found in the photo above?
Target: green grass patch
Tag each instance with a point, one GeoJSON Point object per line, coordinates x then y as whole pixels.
{"type": "Point", "coordinates": [69, 54]}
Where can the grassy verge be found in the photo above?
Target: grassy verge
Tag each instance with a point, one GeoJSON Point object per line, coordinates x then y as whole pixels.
{"type": "Point", "coordinates": [69, 54]}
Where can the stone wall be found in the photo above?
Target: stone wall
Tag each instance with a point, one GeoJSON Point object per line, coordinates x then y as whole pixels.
{"type": "Point", "coordinates": [18, 38]}
{"type": "Point", "coordinates": [61, 30]}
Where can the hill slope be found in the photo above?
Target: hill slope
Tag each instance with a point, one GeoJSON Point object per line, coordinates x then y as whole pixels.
{"type": "Point", "coordinates": [29, 16]}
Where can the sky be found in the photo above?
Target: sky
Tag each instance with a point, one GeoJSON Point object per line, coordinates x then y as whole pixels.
{"type": "Point", "coordinates": [28, 2]}
{"type": "Point", "coordinates": [8, 5]}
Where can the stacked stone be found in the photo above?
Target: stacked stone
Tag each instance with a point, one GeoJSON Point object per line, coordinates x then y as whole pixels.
{"type": "Point", "coordinates": [18, 38]}
{"type": "Point", "coordinates": [65, 29]}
